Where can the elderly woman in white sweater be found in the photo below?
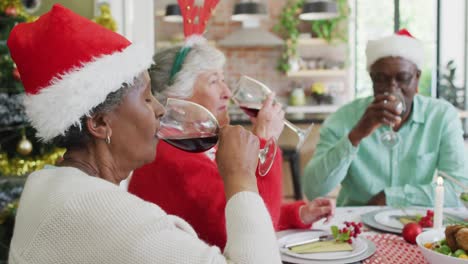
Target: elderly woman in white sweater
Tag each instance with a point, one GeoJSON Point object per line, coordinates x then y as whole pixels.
{"type": "Point", "coordinates": [88, 90]}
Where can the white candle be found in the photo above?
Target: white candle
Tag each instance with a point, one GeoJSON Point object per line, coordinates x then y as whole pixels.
{"type": "Point", "coordinates": [439, 203]}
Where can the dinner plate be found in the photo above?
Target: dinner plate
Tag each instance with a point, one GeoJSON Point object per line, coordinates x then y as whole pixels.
{"type": "Point", "coordinates": [369, 219]}
{"type": "Point", "coordinates": [390, 218]}
{"type": "Point", "coordinates": [356, 259]}
{"type": "Point", "coordinates": [359, 247]}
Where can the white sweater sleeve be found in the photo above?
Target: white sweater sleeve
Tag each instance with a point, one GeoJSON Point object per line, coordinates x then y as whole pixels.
{"type": "Point", "coordinates": [112, 226]}
{"type": "Point", "coordinates": [250, 233]}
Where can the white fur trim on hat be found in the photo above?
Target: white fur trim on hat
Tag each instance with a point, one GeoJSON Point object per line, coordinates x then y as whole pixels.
{"type": "Point", "coordinates": [76, 92]}
{"type": "Point", "coordinates": [395, 46]}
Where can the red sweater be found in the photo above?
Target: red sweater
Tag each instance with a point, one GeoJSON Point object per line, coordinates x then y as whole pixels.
{"type": "Point", "coordinates": [188, 185]}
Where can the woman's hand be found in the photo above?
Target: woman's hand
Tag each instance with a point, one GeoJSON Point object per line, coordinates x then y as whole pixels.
{"type": "Point", "coordinates": [269, 121]}
{"type": "Point", "coordinates": [316, 210]}
{"type": "Point", "coordinates": [237, 158]}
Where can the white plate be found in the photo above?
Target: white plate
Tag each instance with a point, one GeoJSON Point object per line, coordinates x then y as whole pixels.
{"type": "Point", "coordinates": [359, 247]}
{"type": "Point", "coordinates": [357, 259]}
{"type": "Point", "coordinates": [390, 217]}
{"type": "Point", "coordinates": [369, 220]}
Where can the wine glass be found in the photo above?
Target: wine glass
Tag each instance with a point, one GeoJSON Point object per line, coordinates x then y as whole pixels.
{"type": "Point", "coordinates": [390, 138]}
{"type": "Point", "coordinates": [249, 96]}
{"type": "Point", "coordinates": [193, 128]}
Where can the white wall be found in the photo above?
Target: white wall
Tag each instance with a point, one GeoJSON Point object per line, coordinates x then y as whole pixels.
{"type": "Point", "coordinates": [135, 19]}
{"type": "Point", "coordinates": [452, 36]}
{"type": "Point", "coordinates": [465, 122]}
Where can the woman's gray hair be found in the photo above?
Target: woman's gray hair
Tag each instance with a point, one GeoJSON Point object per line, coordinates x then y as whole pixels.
{"type": "Point", "coordinates": [78, 135]}
{"type": "Point", "coordinates": [201, 58]}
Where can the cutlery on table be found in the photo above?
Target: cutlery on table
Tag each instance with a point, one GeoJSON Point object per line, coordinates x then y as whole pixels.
{"type": "Point", "coordinates": [317, 239]}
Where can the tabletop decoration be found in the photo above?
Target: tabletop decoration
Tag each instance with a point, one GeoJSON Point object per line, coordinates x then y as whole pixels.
{"type": "Point", "coordinates": [427, 220]}
{"type": "Point", "coordinates": [423, 221]}
{"type": "Point", "coordinates": [346, 234]}
{"type": "Point", "coordinates": [411, 231]}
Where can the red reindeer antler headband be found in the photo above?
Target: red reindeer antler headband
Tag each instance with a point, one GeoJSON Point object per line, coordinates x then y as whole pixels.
{"type": "Point", "coordinates": [196, 17]}
{"type": "Point", "coordinates": [195, 20]}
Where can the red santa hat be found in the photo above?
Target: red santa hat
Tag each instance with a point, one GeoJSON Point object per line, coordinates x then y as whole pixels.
{"type": "Point", "coordinates": [68, 65]}
{"type": "Point", "coordinates": [401, 44]}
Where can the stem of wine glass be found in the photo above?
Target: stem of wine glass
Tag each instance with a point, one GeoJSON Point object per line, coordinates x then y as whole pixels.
{"type": "Point", "coordinates": [453, 180]}
{"type": "Point", "coordinates": [266, 157]}
{"type": "Point", "coordinates": [293, 127]}
{"type": "Point", "coordinates": [390, 139]}
{"type": "Point", "coordinates": [302, 134]}
{"type": "Point", "coordinates": [261, 155]}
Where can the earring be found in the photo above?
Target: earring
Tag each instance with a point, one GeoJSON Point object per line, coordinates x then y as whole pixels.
{"type": "Point", "coordinates": [108, 140]}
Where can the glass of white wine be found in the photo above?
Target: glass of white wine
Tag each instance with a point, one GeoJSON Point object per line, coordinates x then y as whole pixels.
{"type": "Point", "coordinates": [390, 138]}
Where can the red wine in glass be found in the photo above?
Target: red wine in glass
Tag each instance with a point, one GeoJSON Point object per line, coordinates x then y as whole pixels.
{"type": "Point", "coordinates": [196, 144]}
{"type": "Point", "coordinates": [249, 96]}
{"type": "Point", "coordinates": [191, 127]}
{"type": "Point", "coordinates": [250, 109]}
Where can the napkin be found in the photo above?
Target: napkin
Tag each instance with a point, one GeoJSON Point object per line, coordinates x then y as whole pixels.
{"type": "Point", "coordinates": [322, 246]}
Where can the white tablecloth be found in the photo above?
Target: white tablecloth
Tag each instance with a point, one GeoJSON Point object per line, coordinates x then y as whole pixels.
{"type": "Point", "coordinates": [353, 213]}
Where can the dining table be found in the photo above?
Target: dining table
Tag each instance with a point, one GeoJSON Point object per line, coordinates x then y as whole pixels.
{"type": "Point", "coordinates": [390, 247]}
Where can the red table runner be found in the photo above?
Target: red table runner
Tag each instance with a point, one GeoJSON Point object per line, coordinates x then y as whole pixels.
{"type": "Point", "coordinates": [393, 249]}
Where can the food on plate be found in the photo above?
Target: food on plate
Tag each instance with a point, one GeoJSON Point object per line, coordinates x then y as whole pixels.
{"type": "Point", "coordinates": [450, 232]}
{"type": "Point", "coordinates": [423, 221]}
{"type": "Point", "coordinates": [462, 238]}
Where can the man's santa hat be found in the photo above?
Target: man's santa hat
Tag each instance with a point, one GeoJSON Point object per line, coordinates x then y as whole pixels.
{"type": "Point", "coordinates": [401, 44]}
{"type": "Point", "coordinates": [68, 65]}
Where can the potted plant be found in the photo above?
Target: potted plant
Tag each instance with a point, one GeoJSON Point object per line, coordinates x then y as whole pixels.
{"type": "Point", "coordinates": [333, 29]}
{"type": "Point", "coordinates": [288, 28]}
{"type": "Point", "coordinates": [447, 88]}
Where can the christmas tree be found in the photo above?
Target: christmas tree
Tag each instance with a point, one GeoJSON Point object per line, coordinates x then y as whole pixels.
{"type": "Point", "coordinates": [20, 152]}
{"type": "Point", "coordinates": [105, 18]}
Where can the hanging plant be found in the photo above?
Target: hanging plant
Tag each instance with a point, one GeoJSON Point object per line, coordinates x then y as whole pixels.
{"type": "Point", "coordinates": [329, 29]}
{"type": "Point", "coordinates": [287, 27]}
